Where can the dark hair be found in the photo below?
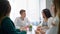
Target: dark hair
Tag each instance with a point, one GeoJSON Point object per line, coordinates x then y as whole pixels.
{"type": "Point", "coordinates": [21, 11]}
{"type": "Point", "coordinates": [4, 8]}
{"type": "Point", "coordinates": [47, 13]}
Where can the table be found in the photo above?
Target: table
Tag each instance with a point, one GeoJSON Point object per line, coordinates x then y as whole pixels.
{"type": "Point", "coordinates": [33, 30]}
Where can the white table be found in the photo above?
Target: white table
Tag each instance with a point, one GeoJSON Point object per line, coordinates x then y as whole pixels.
{"type": "Point", "coordinates": [33, 30]}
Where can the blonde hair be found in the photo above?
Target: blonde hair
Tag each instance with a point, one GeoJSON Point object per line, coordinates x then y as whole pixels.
{"type": "Point", "coordinates": [57, 10]}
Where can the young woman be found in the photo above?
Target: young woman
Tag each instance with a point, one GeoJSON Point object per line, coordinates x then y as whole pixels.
{"type": "Point", "coordinates": [56, 22]}
{"type": "Point", "coordinates": [57, 8]}
{"type": "Point", "coordinates": [46, 22]}
{"type": "Point", "coordinates": [6, 25]}
{"type": "Point", "coordinates": [46, 16]}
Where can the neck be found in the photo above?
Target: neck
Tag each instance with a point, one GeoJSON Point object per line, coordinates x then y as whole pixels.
{"type": "Point", "coordinates": [46, 19]}
{"type": "Point", "coordinates": [22, 18]}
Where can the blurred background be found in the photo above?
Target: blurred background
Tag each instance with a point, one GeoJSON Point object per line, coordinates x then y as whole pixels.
{"type": "Point", "coordinates": [33, 9]}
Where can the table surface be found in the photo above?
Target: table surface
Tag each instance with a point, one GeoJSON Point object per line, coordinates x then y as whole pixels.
{"type": "Point", "coordinates": [33, 30]}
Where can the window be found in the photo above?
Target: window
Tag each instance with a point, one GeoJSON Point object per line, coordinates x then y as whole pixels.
{"type": "Point", "coordinates": [33, 8]}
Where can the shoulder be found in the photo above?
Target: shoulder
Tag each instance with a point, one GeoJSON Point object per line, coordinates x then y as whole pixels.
{"type": "Point", "coordinates": [26, 18]}
{"type": "Point", "coordinates": [51, 18]}
{"type": "Point", "coordinates": [56, 19]}
{"type": "Point", "coordinates": [6, 21]}
{"type": "Point", "coordinates": [17, 18]}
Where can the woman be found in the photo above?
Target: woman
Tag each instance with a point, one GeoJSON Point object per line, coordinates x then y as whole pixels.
{"type": "Point", "coordinates": [46, 16]}
{"type": "Point", "coordinates": [55, 23]}
{"type": "Point", "coordinates": [6, 25]}
{"type": "Point", "coordinates": [57, 6]}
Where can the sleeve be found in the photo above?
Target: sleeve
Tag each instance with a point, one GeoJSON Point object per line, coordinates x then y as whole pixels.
{"type": "Point", "coordinates": [50, 20]}
{"type": "Point", "coordinates": [9, 28]}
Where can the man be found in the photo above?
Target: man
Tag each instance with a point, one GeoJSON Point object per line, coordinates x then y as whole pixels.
{"type": "Point", "coordinates": [22, 22]}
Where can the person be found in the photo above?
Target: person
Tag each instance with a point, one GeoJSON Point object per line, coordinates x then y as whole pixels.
{"type": "Point", "coordinates": [55, 24]}
{"type": "Point", "coordinates": [22, 22]}
{"type": "Point", "coordinates": [6, 24]}
{"type": "Point", "coordinates": [57, 9]}
{"type": "Point", "coordinates": [47, 20]}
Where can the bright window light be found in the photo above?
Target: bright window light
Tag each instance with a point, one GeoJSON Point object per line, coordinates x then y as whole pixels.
{"type": "Point", "coordinates": [33, 8]}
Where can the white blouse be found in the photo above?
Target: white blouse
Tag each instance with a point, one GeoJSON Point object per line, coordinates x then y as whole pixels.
{"type": "Point", "coordinates": [54, 29]}
{"type": "Point", "coordinates": [50, 20]}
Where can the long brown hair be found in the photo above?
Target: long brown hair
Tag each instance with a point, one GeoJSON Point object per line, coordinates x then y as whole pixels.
{"type": "Point", "coordinates": [4, 9]}
{"type": "Point", "coordinates": [57, 9]}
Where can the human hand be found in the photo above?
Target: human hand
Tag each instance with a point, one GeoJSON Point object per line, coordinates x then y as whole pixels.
{"type": "Point", "coordinates": [45, 27]}
{"type": "Point", "coordinates": [39, 28]}
{"type": "Point", "coordinates": [53, 24]}
{"type": "Point", "coordinates": [42, 32]}
{"type": "Point", "coordinates": [23, 29]}
{"type": "Point", "coordinates": [37, 32]}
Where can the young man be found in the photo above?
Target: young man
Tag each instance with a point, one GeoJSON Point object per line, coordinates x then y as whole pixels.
{"type": "Point", "coordinates": [22, 21]}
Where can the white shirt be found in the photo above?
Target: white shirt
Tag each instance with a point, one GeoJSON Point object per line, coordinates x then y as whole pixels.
{"type": "Point", "coordinates": [50, 20]}
{"type": "Point", "coordinates": [54, 29]}
{"type": "Point", "coordinates": [21, 23]}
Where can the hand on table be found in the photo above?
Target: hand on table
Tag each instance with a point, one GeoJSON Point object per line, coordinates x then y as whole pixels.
{"type": "Point", "coordinates": [42, 32]}
{"type": "Point", "coordinates": [23, 29]}
{"type": "Point", "coordinates": [39, 30]}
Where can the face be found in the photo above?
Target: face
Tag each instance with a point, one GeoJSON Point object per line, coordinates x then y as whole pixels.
{"type": "Point", "coordinates": [43, 15]}
{"type": "Point", "coordinates": [23, 15]}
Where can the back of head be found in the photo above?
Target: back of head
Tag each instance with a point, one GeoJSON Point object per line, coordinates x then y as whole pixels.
{"type": "Point", "coordinates": [4, 8]}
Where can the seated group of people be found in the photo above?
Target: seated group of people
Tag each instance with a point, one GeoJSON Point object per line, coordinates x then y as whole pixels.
{"type": "Point", "coordinates": [51, 25]}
